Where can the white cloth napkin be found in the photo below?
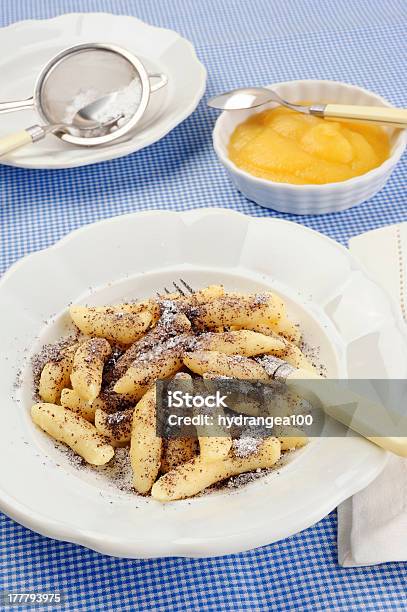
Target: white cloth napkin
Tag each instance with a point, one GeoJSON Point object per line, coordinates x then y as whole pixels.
{"type": "Point", "coordinates": [372, 525]}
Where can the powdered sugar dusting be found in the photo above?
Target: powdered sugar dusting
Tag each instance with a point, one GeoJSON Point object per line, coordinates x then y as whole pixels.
{"type": "Point", "coordinates": [261, 298]}
{"type": "Point", "coordinates": [124, 104]}
{"type": "Point", "coordinates": [245, 446]}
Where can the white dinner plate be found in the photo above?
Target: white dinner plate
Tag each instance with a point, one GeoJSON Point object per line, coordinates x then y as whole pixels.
{"type": "Point", "coordinates": [25, 47]}
{"type": "Point", "coordinates": [341, 311]}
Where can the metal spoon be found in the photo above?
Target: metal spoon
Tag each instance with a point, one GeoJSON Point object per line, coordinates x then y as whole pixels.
{"type": "Point", "coordinates": [251, 97]}
{"type": "Point", "coordinates": [84, 120]}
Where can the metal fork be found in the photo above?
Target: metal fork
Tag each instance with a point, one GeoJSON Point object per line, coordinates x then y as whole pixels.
{"type": "Point", "coordinates": [184, 290]}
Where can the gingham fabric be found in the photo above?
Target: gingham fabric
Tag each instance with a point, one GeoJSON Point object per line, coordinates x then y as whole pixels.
{"type": "Point", "coordinates": [240, 42]}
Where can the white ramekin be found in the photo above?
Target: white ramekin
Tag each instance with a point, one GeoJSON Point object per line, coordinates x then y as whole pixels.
{"type": "Point", "coordinates": [309, 199]}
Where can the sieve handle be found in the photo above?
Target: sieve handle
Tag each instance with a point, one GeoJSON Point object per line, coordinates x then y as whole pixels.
{"type": "Point", "coordinates": [16, 105]}
{"type": "Point", "coordinates": [162, 80]}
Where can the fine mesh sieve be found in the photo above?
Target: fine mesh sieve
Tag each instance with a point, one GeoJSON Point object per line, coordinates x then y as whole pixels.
{"type": "Point", "coordinates": [95, 68]}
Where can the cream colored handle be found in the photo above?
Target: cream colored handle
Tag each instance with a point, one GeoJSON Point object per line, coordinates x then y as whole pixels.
{"type": "Point", "coordinates": [335, 401]}
{"type": "Point", "coordinates": [394, 117]}
{"type": "Point", "coordinates": [14, 141]}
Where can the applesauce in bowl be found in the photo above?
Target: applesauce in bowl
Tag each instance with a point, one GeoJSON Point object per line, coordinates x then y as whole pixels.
{"type": "Point", "coordinates": [284, 146]}
{"type": "Point", "coordinates": [296, 197]}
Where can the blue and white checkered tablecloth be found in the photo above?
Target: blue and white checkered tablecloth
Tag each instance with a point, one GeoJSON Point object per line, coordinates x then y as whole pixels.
{"type": "Point", "coordinates": [241, 42]}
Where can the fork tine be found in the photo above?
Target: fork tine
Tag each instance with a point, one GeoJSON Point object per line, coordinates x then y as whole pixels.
{"type": "Point", "coordinates": [188, 287]}
{"type": "Point", "coordinates": [178, 288]}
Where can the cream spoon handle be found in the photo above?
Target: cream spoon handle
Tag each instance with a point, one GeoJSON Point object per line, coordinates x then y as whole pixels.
{"type": "Point", "coordinates": [11, 142]}
{"type": "Point", "coordinates": [394, 117]}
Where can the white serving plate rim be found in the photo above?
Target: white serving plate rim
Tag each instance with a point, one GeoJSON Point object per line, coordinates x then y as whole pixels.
{"type": "Point", "coordinates": [382, 169]}
{"type": "Point", "coordinates": [126, 148]}
{"type": "Point", "coordinates": [245, 538]}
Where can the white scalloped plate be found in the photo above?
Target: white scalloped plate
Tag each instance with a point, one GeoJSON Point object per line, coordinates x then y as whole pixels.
{"type": "Point", "coordinates": [25, 47]}
{"type": "Point", "coordinates": [339, 307]}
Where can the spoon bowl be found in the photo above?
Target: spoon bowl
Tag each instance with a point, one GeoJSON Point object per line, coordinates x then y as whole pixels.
{"type": "Point", "coordinates": [251, 97]}
{"type": "Point", "coordinates": [240, 99]}
{"type": "Point", "coordinates": [89, 117]}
